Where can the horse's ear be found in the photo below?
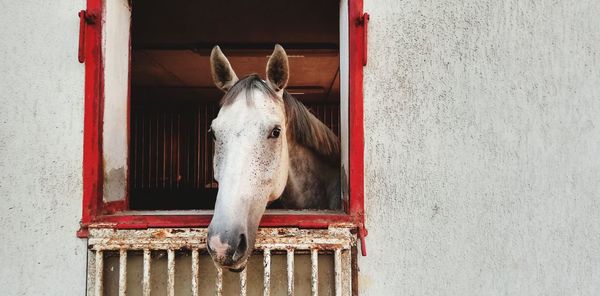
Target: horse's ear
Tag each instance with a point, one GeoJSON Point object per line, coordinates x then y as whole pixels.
{"type": "Point", "coordinates": [278, 70]}
{"type": "Point", "coordinates": [221, 70]}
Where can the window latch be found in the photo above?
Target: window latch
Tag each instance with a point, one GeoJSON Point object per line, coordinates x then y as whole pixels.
{"type": "Point", "coordinates": [364, 22]}
{"type": "Point", "coordinates": [85, 18]}
{"type": "Point", "coordinates": [362, 232]}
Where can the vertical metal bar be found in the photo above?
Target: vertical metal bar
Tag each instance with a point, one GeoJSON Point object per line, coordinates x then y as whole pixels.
{"type": "Point", "coordinates": [290, 272]}
{"type": "Point", "coordinates": [195, 262]}
{"type": "Point", "coordinates": [199, 149]}
{"type": "Point", "coordinates": [177, 171]}
{"type": "Point", "coordinates": [205, 143]}
{"type": "Point", "coordinates": [165, 155]}
{"type": "Point", "coordinates": [146, 279]}
{"type": "Point", "coordinates": [171, 162]}
{"type": "Point", "coordinates": [243, 282]}
{"type": "Point", "coordinates": [314, 272]}
{"type": "Point", "coordinates": [143, 149]}
{"type": "Point", "coordinates": [347, 271]}
{"type": "Point", "coordinates": [267, 272]}
{"type": "Point", "coordinates": [91, 274]}
{"type": "Point", "coordinates": [338, 272]}
{"type": "Point", "coordinates": [171, 272]}
{"type": "Point", "coordinates": [219, 285]}
{"type": "Point", "coordinates": [133, 135]}
{"type": "Point", "coordinates": [157, 154]}
{"type": "Point", "coordinates": [99, 270]}
{"type": "Point", "coordinates": [122, 272]}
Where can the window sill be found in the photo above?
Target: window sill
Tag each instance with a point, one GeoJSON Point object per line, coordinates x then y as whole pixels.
{"type": "Point", "coordinates": [201, 218]}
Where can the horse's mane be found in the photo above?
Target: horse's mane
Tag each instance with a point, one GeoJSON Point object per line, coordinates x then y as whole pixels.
{"type": "Point", "coordinates": [303, 126]}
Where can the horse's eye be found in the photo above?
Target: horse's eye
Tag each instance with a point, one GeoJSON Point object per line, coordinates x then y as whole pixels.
{"type": "Point", "coordinates": [275, 133]}
{"type": "Point", "coordinates": [212, 134]}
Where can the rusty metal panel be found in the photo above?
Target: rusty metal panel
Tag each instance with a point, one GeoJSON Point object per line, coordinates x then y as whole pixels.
{"type": "Point", "coordinates": [290, 241]}
{"type": "Point", "coordinates": [189, 238]}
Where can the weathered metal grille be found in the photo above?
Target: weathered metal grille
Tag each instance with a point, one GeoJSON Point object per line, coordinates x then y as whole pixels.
{"type": "Point", "coordinates": [171, 153]}
{"type": "Point", "coordinates": [171, 156]}
{"type": "Point", "coordinates": [338, 241]}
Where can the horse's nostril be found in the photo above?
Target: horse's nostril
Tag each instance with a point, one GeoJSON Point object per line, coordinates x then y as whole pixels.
{"type": "Point", "coordinates": [243, 245]}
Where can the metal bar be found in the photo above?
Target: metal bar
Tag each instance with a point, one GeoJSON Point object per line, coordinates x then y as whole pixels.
{"type": "Point", "coordinates": [195, 267]}
{"type": "Point", "coordinates": [347, 272]}
{"type": "Point", "coordinates": [290, 272]}
{"type": "Point", "coordinates": [91, 273]}
{"type": "Point", "coordinates": [99, 270]}
{"type": "Point", "coordinates": [243, 282]}
{"type": "Point", "coordinates": [219, 285]}
{"type": "Point", "coordinates": [123, 272]}
{"type": "Point", "coordinates": [267, 238]}
{"type": "Point", "coordinates": [146, 279]}
{"type": "Point", "coordinates": [338, 272]}
{"type": "Point", "coordinates": [314, 272]}
{"type": "Point", "coordinates": [171, 271]}
{"type": "Point", "coordinates": [267, 272]}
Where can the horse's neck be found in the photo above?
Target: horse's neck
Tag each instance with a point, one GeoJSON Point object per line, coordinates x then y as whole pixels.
{"type": "Point", "coordinates": [312, 183]}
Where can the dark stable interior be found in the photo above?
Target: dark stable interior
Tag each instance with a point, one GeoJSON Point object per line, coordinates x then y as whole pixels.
{"type": "Point", "coordinates": [173, 99]}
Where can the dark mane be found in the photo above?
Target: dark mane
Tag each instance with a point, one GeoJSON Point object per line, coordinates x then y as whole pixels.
{"type": "Point", "coordinates": [303, 126]}
{"type": "Point", "coordinates": [248, 84]}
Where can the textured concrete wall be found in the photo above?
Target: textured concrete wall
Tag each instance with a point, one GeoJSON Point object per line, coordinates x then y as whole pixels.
{"type": "Point", "coordinates": [482, 136]}
{"type": "Point", "coordinates": [482, 148]}
{"type": "Point", "coordinates": [41, 123]}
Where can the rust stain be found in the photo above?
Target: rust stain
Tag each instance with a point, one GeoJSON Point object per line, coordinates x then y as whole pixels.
{"type": "Point", "coordinates": [159, 233]}
{"type": "Point", "coordinates": [176, 239]}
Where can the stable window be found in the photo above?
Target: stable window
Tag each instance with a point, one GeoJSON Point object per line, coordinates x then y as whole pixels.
{"type": "Point", "coordinates": [173, 97]}
{"type": "Point", "coordinates": [148, 185]}
{"type": "Point", "coordinates": [149, 100]}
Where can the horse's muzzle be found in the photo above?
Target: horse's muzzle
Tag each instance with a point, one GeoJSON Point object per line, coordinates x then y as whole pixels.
{"type": "Point", "coordinates": [227, 250]}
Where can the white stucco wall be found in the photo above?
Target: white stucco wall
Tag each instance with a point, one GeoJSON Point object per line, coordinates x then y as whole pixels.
{"type": "Point", "coordinates": [482, 148]}
{"type": "Point", "coordinates": [41, 124]}
{"type": "Point", "coordinates": [482, 142]}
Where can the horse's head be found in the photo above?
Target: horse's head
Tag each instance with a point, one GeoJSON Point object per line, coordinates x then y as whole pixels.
{"type": "Point", "coordinates": [251, 155]}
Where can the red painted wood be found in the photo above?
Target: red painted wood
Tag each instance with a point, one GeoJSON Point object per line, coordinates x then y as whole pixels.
{"type": "Point", "coordinates": [356, 134]}
{"type": "Point", "coordinates": [268, 220]}
{"type": "Point", "coordinates": [92, 128]}
{"type": "Point", "coordinates": [109, 208]}
{"type": "Point", "coordinates": [96, 213]}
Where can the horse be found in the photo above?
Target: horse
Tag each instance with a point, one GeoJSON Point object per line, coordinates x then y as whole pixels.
{"type": "Point", "coordinates": [268, 146]}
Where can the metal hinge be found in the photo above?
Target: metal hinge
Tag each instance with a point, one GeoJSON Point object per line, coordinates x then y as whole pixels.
{"type": "Point", "coordinates": [85, 18]}
{"type": "Point", "coordinates": [364, 22]}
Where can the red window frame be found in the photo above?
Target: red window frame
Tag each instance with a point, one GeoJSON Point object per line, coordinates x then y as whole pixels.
{"type": "Point", "coordinates": [96, 213]}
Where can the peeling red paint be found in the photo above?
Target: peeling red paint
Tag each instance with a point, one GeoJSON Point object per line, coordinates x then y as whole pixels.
{"type": "Point", "coordinates": [96, 212]}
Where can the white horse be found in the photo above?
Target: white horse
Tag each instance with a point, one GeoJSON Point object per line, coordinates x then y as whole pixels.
{"type": "Point", "coordinates": [268, 146]}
